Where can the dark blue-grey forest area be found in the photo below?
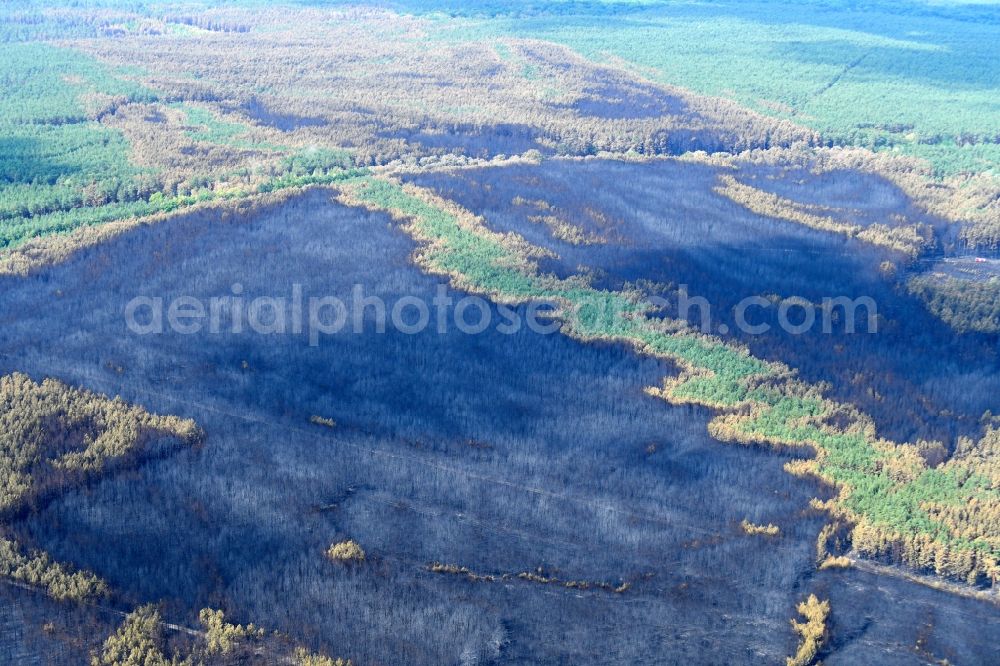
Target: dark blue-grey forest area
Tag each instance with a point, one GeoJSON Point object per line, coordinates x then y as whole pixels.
{"type": "Point", "coordinates": [527, 497]}
{"type": "Point", "coordinates": [499, 453]}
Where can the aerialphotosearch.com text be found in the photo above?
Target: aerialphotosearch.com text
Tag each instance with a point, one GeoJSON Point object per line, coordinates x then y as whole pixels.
{"type": "Point", "coordinates": [319, 316]}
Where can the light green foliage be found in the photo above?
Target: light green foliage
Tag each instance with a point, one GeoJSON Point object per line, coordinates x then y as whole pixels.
{"type": "Point", "coordinates": [138, 642]}
{"type": "Point", "coordinates": [753, 529]}
{"type": "Point", "coordinates": [852, 460]}
{"type": "Point", "coordinates": [38, 569]}
{"type": "Point", "coordinates": [313, 160]}
{"type": "Point", "coordinates": [950, 158]}
{"type": "Point", "coordinates": [53, 85]}
{"type": "Point", "coordinates": [63, 168]}
{"type": "Point", "coordinates": [50, 435]}
{"type": "Point", "coordinates": [346, 551]}
{"type": "Point", "coordinates": [482, 261]}
{"type": "Point", "coordinates": [18, 231]}
{"type": "Point", "coordinates": [48, 430]}
{"type": "Point", "coordinates": [221, 637]}
{"type": "Point", "coordinates": [54, 155]}
{"type": "Point", "coordinates": [209, 128]}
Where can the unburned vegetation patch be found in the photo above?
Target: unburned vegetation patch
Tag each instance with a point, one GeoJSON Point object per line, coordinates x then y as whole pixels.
{"type": "Point", "coordinates": [51, 437]}
{"type": "Point", "coordinates": [51, 433]}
